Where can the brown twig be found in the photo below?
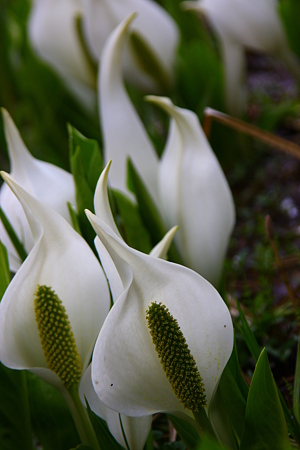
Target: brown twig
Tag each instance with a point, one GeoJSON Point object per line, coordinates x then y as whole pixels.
{"type": "Point", "coordinates": [246, 128]}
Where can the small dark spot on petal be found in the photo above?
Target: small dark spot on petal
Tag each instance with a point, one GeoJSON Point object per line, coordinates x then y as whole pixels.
{"type": "Point", "coordinates": [112, 384]}
{"type": "Point", "coordinates": [224, 326]}
{"type": "Point", "coordinates": [96, 382]}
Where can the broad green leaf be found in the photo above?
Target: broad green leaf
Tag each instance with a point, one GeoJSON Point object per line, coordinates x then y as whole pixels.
{"type": "Point", "coordinates": [15, 427]}
{"type": "Point", "coordinates": [234, 401]}
{"type": "Point", "coordinates": [148, 61]}
{"type": "Point", "coordinates": [235, 369]}
{"type": "Point", "coordinates": [186, 431]}
{"type": "Point", "coordinates": [265, 426]}
{"type": "Point", "coordinates": [208, 443]}
{"type": "Point", "coordinates": [148, 211]}
{"type": "Point", "coordinates": [13, 236]}
{"type": "Point", "coordinates": [149, 442]}
{"type": "Point", "coordinates": [253, 346]}
{"type": "Point", "coordinates": [87, 165]}
{"type": "Point", "coordinates": [248, 334]}
{"type": "Point", "coordinates": [4, 270]}
{"type": "Point", "coordinates": [105, 439]}
{"type": "Point", "coordinates": [130, 224]}
{"type": "Point", "coordinates": [289, 11]}
{"type": "Point", "coordinates": [51, 419]}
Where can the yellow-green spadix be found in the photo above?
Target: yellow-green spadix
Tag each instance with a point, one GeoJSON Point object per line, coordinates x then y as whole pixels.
{"type": "Point", "coordinates": [127, 372]}
{"type": "Point", "coordinates": [61, 261]}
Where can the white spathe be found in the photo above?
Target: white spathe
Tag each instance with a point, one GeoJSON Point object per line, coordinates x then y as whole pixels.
{"type": "Point", "coordinates": [153, 24]}
{"type": "Point", "coordinates": [51, 184]}
{"type": "Point", "coordinates": [54, 37]}
{"type": "Point", "coordinates": [123, 133]}
{"type": "Point", "coordinates": [136, 429]}
{"type": "Point", "coordinates": [126, 371]}
{"type": "Point", "coordinates": [62, 260]}
{"type": "Point", "coordinates": [242, 24]}
{"type": "Point", "coordinates": [194, 194]}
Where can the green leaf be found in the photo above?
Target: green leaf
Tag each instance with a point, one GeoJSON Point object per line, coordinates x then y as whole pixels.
{"type": "Point", "coordinates": [186, 431]}
{"type": "Point", "coordinates": [105, 438]}
{"type": "Point", "coordinates": [13, 236]}
{"type": "Point", "coordinates": [131, 225]}
{"type": "Point", "coordinates": [234, 366]}
{"type": "Point", "coordinates": [265, 426]}
{"type": "Point", "coordinates": [234, 401]}
{"type": "Point", "coordinates": [296, 393]}
{"type": "Point", "coordinates": [15, 427]}
{"type": "Point", "coordinates": [4, 270]}
{"type": "Point", "coordinates": [208, 443]}
{"type": "Point", "coordinates": [148, 210]}
{"type": "Point", "coordinates": [82, 447]}
{"type": "Point", "coordinates": [149, 443]}
{"type": "Point", "coordinates": [289, 11]}
{"type": "Point", "coordinates": [87, 165]}
{"type": "Point", "coordinates": [248, 334]}
{"type": "Point", "coordinates": [148, 61]}
{"type": "Point", "coordinates": [52, 422]}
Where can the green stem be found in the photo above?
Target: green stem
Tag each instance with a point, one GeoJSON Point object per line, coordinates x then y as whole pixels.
{"type": "Point", "coordinates": [81, 419]}
{"type": "Point", "coordinates": [203, 423]}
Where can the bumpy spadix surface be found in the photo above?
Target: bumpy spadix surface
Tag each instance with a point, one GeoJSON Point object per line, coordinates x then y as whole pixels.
{"type": "Point", "coordinates": [176, 358]}
{"type": "Point", "coordinates": [57, 337]}
{"type": "Point", "coordinates": [127, 372]}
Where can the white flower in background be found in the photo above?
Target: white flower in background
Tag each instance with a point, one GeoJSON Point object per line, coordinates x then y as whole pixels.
{"type": "Point", "coordinates": [187, 184]}
{"type": "Point", "coordinates": [141, 366]}
{"type": "Point", "coordinates": [123, 132]}
{"type": "Point", "coordinates": [54, 186]}
{"type": "Point", "coordinates": [240, 25]}
{"type": "Point", "coordinates": [54, 36]}
{"type": "Point", "coordinates": [154, 28]}
{"type": "Point", "coordinates": [60, 278]}
{"type": "Point", "coordinates": [194, 194]}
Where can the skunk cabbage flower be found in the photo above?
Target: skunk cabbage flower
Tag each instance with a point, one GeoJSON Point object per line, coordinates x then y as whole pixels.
{"type": "Point", "coordinates": [187, 185]}
{"type": "Point", "coordinates": [123, 132]}
{"type": "Point", "coordinates": [52, 185]}
{"type": "Point", "coordinates": [166, 340]}
{"type": "Point", "coordinates": [136, 429]}
{"type": "Point", "coordinates": [194, 194]}
{"type": "Point", "coordinates": [54, 35]}
{"type": "Point", "coordinates": [61, 278]}
{"type": "Point", "coordinates": [150, 53]}
{"type": "Point", "coordinates": [241, 24]}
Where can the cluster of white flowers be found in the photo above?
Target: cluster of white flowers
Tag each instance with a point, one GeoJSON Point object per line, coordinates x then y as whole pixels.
{"type": "Point", "coordinates": [127, 375]}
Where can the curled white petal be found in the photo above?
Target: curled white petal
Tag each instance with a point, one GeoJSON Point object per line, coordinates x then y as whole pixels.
{"type": "Point", "coordinates": [123, 131]}
{"type": "Point", "coordinates": [141, 387]}
{"type": "Point", "coordinates": [45, 181]}
{"type": "Point", "coordinates": [53, 34]}
{"type": "Point", "coordinates": [194, 194]}
{"type": "Point", "coordinates": [153, 24]}
{"type": "Point", "coordinates": [62, 260]}
{"type": "Point", "coordinates": [254, 25]}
